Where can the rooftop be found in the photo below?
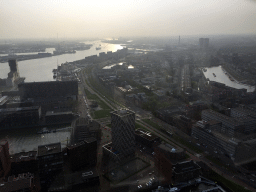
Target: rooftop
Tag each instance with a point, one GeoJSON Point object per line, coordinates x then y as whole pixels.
{"type": "Point", "coordinates": [23, 181]}
{"type": "Point", "coordinates": [52, 113]}
{"type": "Point", "coordinates": [222, 117]}
{"type": "Point", "coordinates": [86, 140]}
{"type": "Point", "coordinates": [24, 156]}
{"type": "Point", "coordinates": [19, 109]}
{"type": "Point", "coordinates": [147, 135]}
{"type": "Point", "coordinates": [170, 148]}
{"type": "Point", "coordinates": [44, 82]}
{"type": "Point", "coordinates": [185, 166]}
{"type": "Point", "coordinates": [220, 135]}
{"type": "Point", "coordinates": [49, 149]}
{"type": "Point", "coordinates": [70, 181]}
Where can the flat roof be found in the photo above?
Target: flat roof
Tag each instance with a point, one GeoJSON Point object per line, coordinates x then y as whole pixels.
{"type": "Point", "coordinates": [213, 122]}
{"type": "Point", "coordinates": [221, 136]}
{"type": "Point", "coordinates": [52, 113]}
{"type": "Point", "coordinates": [170, 148]}
{"type": "Point", "coordinates": [231, 120]}
{"type": "Point", "coordinates": [148, 135]}
{"type": "Point", "coordinates": [210, 122]}
{"type": "Point", "coordinates": [19, 109]}
{"type": "Point", "coordinates": [49, 149]}
{"type": "Point", "coordinates": [86, 140]}
{"type": "Point", "coordinates": [185, 166]}
{"type": "Point", "coordinates": [23, 156]}
{"type": "Point", "coordinates": [41, 82]}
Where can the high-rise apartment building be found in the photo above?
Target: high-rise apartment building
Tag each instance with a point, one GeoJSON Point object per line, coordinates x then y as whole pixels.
{"type": "Point", "coordinates": [5, 162]}
{"type": "Point", "coordinates": [123, 131]}
{"type": "Point", "coordinates": [204, 43]}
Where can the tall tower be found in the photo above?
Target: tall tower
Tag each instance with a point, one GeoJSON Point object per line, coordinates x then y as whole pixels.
{"type": "Point", "coordinates": [201, 43]}
{"type": "Point", "coordinates": [123, 132]}
{"type": "Point", "coordinates": [13, 65]}
{"type": "Point", "coordinates": [204, 43]}
{"type": "Point", "coordinates": [179, 40]}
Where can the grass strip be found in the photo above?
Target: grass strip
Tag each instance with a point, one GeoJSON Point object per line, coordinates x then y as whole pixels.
{"type": "Point", "coordinates": [225, 183]}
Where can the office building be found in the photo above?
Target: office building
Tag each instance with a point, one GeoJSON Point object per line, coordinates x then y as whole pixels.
{"type": "Point", "coordinates": [209, 135]}
{"type": "Point", "coordinates": [123, 136]}
{"type": "Point", "coordinates": [52, 95]}
{"type": "Point", "coordinates": [83, 154]}
{"type": "Point", "coordinates": [230, 126]}
{"type": "Point", "coordinates": [52, 117]}
{"type": "Point", "coordinates": [247, 116]}
{"type": "Point", "coordinates": [19, 117]}
{"type": "Point", "coordinates": [86, 128]}
{"type": "Point", "coordinates": [241, 150]}
{"type": "Point", "coordinates": [123, 131]}
{"type": "Point", "coordinates": [50, 162]}
{"type": "Point", "coordinates": [163, 164]}
{"type": "Point", "coordinates": [50, 90]}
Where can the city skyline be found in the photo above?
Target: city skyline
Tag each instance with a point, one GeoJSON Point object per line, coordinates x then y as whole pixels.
{"type": "Point", "coordinates": [78, 19]}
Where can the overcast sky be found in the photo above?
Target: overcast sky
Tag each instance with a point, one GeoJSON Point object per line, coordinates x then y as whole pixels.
{"type": "Point", "coordinates": [114, 18]}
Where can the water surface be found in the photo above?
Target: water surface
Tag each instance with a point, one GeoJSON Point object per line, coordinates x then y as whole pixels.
{"type": "Point", "coordinates": [223, 78]}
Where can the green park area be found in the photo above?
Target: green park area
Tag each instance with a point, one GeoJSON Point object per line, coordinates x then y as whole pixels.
{"type": "Point", "coordinates": [104, 110]}
{"type": "Point", "coordinates": [225, 183]}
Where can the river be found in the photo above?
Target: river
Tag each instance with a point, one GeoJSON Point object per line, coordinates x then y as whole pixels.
{"type": "Point", "coordinates": [41, 70]}
{"type": "Point", "coordinates": [27, 139]}
{"type": "Point", "coordinates": [223, 78]}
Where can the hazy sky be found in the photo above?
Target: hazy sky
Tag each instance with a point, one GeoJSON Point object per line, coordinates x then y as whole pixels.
{"type": "Point", "coordinates": [114, 18]}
